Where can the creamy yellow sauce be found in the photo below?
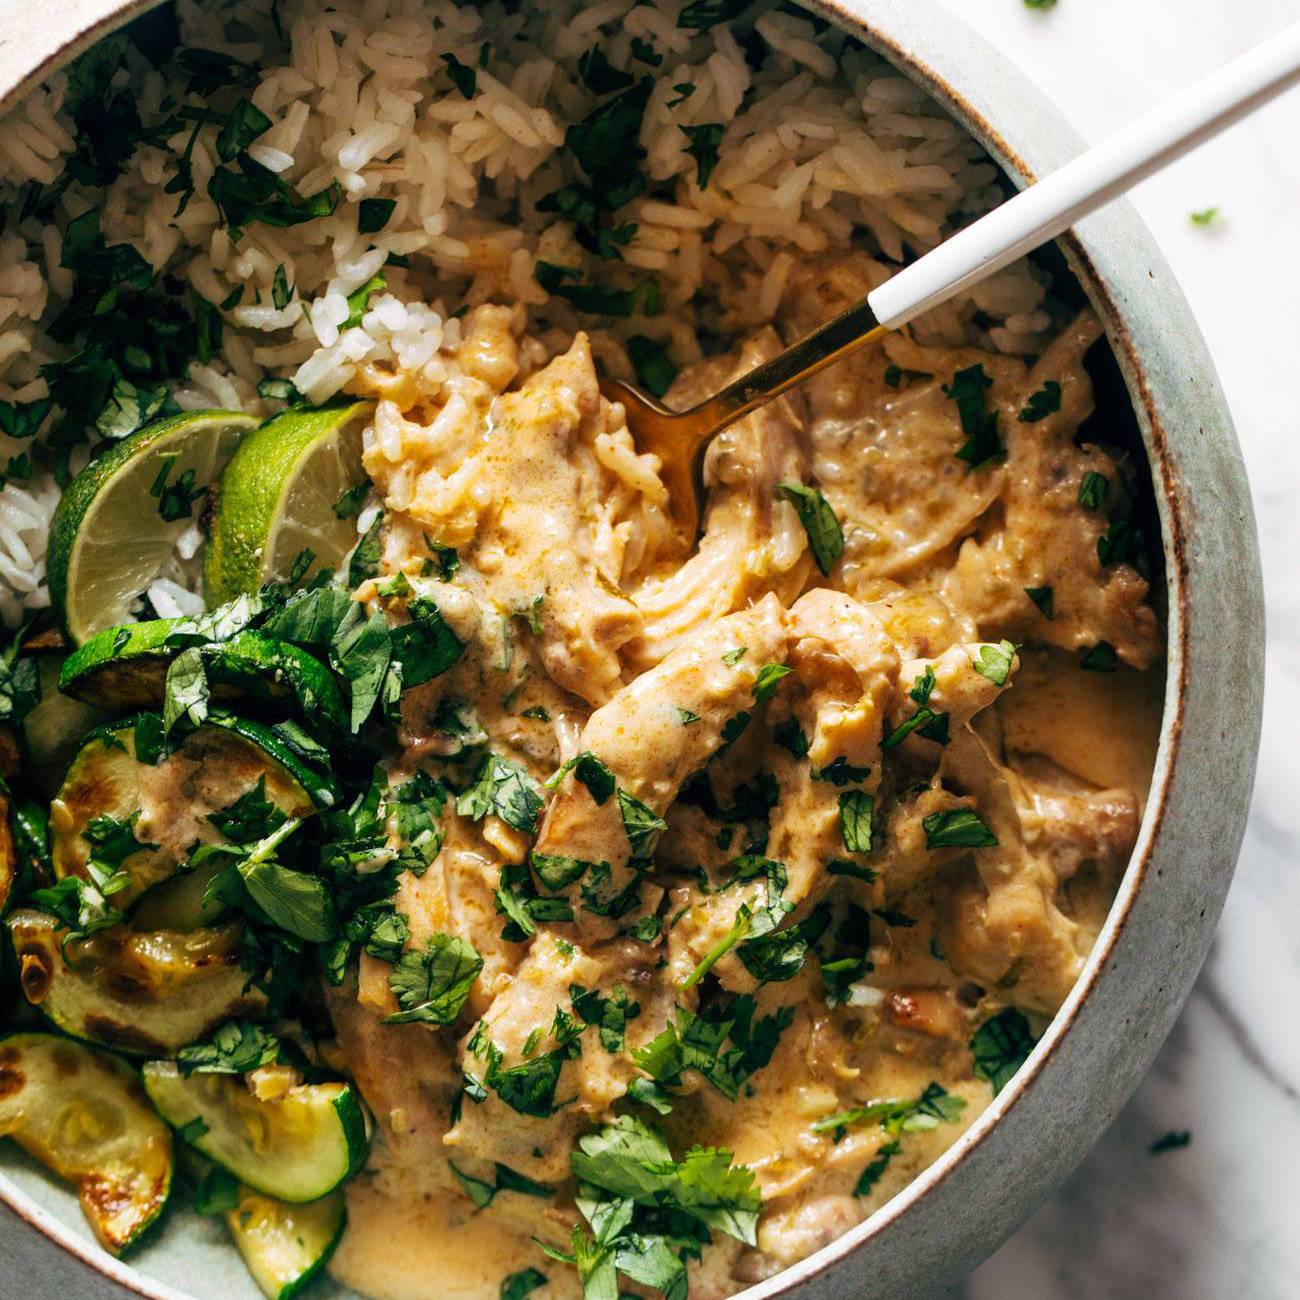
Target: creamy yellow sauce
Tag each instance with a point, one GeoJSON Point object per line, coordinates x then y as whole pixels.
{"type": "Point", "coordinates": [587, 628]}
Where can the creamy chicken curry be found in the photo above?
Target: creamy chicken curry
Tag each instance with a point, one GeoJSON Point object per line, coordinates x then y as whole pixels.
{"type": "Point", "coordinates": [788, 846]}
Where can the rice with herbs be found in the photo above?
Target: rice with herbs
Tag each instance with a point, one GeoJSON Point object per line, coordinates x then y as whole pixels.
{"type": "Point", "coordinates": [430, 137]}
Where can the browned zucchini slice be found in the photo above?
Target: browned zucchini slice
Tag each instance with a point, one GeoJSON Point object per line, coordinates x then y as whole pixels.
{"type": "Point", "coordinates": [148, 993]}
{"type": "Point", "coordinates": [83, 1114]}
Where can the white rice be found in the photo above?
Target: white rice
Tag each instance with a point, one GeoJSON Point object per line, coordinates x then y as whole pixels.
{"type": "Point", "coordinates": [825, 145]}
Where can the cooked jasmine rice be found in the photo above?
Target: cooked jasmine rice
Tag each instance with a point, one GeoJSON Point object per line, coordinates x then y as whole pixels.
{"type": "Point", "coordinates": [437, 130]}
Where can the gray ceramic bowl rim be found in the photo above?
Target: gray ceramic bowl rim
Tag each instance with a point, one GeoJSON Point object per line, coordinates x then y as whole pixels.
{"type": "Point", "coordinates": [1214, 589]}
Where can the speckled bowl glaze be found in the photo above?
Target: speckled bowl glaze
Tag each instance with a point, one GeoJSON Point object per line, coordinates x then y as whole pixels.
{"type": "Point", "coordinates": [1107, 1033]}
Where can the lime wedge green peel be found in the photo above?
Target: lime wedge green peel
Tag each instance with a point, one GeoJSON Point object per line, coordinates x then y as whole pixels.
{"type": "Point", "coordinates": [117, 524]}
{"type": "Point", "coordinates": [277, 496]}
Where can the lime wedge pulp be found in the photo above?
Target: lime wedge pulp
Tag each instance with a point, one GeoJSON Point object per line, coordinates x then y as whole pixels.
{"type": "Point", "coordinates": [278, 496]}
{"type": "Point", "coordinates": [117, 524]}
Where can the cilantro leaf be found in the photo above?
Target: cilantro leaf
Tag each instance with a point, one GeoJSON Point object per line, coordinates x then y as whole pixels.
{"type": "Point", "coordinates": [599, 75]}
{"type": "Point", "coordinates": [1001, 1046]}
{"type": "Point", "coordinates": [1042, 598]}
{"type": "Point", "coordinates": [791, 736]}
{"type": "Point", "coordinates": [1101, 658]}
{"type": "Point", "coordinates": [875, 1168]}
{"type": "Point", "coordinates": [432, 985]}
{"type": "Point", "coordinates": [856, 810]}
{"type": "Point", "coordinates": [768, 679]}
{"type": "Point", "coordinates": [825, 537]}
{"type": "Point", "coordinates": [1092, 490]}
{"type": "Point", "coordinates": [556, 871]}
{"type": "Point", "coordinates": [982, 443]}
{"type": "Point", "coordinates": [235, 1048]}
{"type": "Point", "coordinates": [1046, 401]}
{"type": "Point", "coordinates": [934, 1106]}
{"type": "Point", "coordinates": [517, 1286]}
{"type": "Point", "coordinates": [590, 770]}
{"type": "Point", "coordinates": [840, 772]}
{"type": "Point", "coordinates": [295, 901]}
{"type": "Point", "coordinates": [641, 823]}
{"type": "Point", "coordinates": [244, 123]}
{"type": "Point", "coordinates": [250, 817]}
{"type": "Point", "coordinates": [994, 662]}
{"type": "Point", "coordinates": [374, 214]}
{"type": "Point", "coordinates": [957, 828]}
{"type": "Point", "coordinates": [654, 368]}
{"type": "Point", "coordinates": [700, 15]}
{"type": "Point", "coordinates": [185, 692]}
{"type": "Point", "coordinates": [506, 790]}
{"type": "Point", "coordinates": [703, 142]}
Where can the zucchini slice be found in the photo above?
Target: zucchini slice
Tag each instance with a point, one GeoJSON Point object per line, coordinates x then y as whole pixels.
{"type": "Point", "coordinates": [84, 1116]}
{"type": "Point", "coordinates": [177, 904]}
{"type": "Point", "coordinates": [285, 1246]}
{"type": "Point", "coordinates": [123, 669]}
{"type": "Point", "coordinates": [296, 1148]}
{"type": "Point", "coordinates": [150, 994]}
{"type": "Point", "coordinates": [171, 799]}
{"type": "Point", "coordinates": [53, 729]}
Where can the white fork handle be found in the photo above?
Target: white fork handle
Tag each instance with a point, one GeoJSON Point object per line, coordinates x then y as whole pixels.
{"type": "Point", "coordinates": [1055, 203]}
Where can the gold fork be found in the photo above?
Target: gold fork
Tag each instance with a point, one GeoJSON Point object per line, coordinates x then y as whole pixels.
{"type": "Point", "coordinates": [1034, 216]}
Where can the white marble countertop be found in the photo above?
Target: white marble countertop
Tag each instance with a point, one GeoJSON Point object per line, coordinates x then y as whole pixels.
{"type": "Point", "coordinates": [1221, 1217]}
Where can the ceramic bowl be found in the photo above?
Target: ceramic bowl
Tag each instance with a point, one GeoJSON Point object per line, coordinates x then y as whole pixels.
{"type": "Point", "coordinates": [1142, 968]}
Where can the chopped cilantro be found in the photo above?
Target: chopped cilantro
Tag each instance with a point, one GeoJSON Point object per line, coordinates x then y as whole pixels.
{"type": "Point", "coordinates": [281, 290]}
{"type": "Point", "coordinates": [856, 809]}
{"type": "Point", "coordinates": [933, 1107]}
{"type": "Point", "coordinates": [1043, 403]}
{"type": "Point", "coordinates": [504, 789]}
{"type": "Point", "coordinates": [768, 679]}
{"type": "Point", "coordinates": [925, 722]}
{"type": "Point", "coordinates": [1205, 217]}
{"type": "Point", "coordinates": [844, 867]}
{"type": "Point", "coordinates": [699, 15]}
{"type": "Point", "coordinates": [236, 1048]}
{"type": "Point", "coordinates": [825, 537]}
{"type": "Point", "coordinates": [654, 367]}
{"type": "Point", "coordinates": [1101, 658]}
{"type": "Point", "coordinates": [646, 52]}
{"type": "Point", "coordinates": [994, 662]}
{"type": "Point", "coordinates": [1092, 490]}
{"type": "Point", "coordinates": [957, 828]}
{"type": "Point", "coordinates": [243, 124]}
{"type": "Point", "coordinates": [598, 300]}
{"type": "Point", "coordinates": [374, 214]}
{"type": "Point", "coordinates": [1000, 1047]}
{"type": "Point", "coordinates": [704, 140]}
{"type": "Point", "coordinates": [980, 426]}
{"type": "Point", "coordinates": [642, 824]}
{"type": "Point", "coordinates": [431, 985]}
{"type": "Point", "coordinates": [463, 77]}
{"type": "Point", "coordinates": [599, 75]}
{"type": "Point", "coordinates": [590, 770]}
{"type": "Point", "coordinates": [1042, 597]}
{"type": "Point", "coordinates": [840, 772]}
{"type": "Point", "coordinates": [359, 300]}
{"type": "Point", "coordinates": [791, 736]}
{"type": "Point", "coordinates": [517, 1286]}
{"type": "Point", "coordinates": [876, 1166]}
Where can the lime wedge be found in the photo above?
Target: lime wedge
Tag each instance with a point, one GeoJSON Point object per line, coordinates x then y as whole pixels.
{"type": "Point", "coordinates": [277, 499]}
{"type": "Point", "coordinates": [117, 524]}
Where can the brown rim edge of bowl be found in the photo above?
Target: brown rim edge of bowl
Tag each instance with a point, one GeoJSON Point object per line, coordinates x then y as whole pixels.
{"type": "Point", "coordinates": [1119, 337]}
